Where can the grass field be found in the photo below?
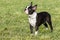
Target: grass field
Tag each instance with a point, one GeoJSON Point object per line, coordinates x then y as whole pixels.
{"type": "Point", "coordinates": [14, 23]}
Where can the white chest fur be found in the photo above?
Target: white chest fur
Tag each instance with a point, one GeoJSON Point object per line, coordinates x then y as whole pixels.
{"type": "Point", "coordinates": [32, 19]}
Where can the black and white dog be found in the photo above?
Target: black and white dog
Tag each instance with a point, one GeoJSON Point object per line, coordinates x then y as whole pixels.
{"type": "Point", "coordinates": [36, 19]}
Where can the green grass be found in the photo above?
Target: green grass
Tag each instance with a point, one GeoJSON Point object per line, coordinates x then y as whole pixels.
{"type": "Point", "coordinates": [14, 23]}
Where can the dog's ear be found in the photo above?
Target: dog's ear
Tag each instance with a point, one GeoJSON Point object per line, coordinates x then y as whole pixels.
{"type": "Point", "coordinates": [34, 7]}
{"type": "Point", "coordinates": [31, 4]}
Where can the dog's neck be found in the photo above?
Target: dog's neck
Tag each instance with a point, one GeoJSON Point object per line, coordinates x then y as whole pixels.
{"type": "Point", "coordinates": [33, 15]}
{"type": "Point", "coordinates": [32, 19]}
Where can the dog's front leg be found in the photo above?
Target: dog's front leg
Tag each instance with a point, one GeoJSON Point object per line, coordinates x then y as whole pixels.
{"type": "Point", "coordinates": [36, 30]}
{"type": "Point", "coordinates": [31, 29]}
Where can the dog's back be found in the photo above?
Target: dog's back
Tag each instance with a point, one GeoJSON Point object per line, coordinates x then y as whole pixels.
{"type": "Point", "coordinates": [42, 17]}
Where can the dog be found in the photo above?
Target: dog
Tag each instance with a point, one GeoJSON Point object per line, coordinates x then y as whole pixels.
{"type": "Point", "coordinates": [37, 19]}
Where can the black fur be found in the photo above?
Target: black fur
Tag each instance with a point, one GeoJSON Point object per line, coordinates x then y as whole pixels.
{"type": "Point", "coordinates": [41, 18]}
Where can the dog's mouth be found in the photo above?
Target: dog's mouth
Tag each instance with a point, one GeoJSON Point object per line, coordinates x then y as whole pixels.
{"type": "Point", "coordinates": [26, 11]}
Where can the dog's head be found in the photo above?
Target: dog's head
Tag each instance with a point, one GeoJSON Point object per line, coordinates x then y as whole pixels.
{"type": "Point", "coordinates": [30, 9]}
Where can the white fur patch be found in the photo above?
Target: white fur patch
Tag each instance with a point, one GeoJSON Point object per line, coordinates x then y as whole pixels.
{"type": "Point", "coordinates": [46, 28]}
{"type": "Point", "coordinates": [26, 11]}
{"type": "Point", "coordinates": [36, 32]}
{"type": "Point", "coordinates": [32, 19]}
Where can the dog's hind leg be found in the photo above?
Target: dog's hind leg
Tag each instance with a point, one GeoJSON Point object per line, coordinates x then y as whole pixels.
{"type": "Point", "coordinates": [45, 24]}
{"type": "Point", "coordinates": [50, 24]}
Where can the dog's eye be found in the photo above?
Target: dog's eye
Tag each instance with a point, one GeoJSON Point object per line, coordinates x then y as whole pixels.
{"type": "Point", "coordinates": [29, 9]}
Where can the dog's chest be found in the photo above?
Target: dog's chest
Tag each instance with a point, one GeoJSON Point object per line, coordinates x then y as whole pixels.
{"type": "Point", "coordinates": [32, 19]}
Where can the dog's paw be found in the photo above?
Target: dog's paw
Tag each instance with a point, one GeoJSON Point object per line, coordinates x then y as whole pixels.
{"type": "Point", "coordinates": [36, 33]}
{"type": "Point", "coordinates": [46, 28]}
